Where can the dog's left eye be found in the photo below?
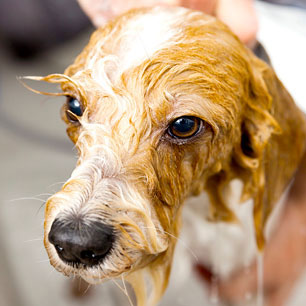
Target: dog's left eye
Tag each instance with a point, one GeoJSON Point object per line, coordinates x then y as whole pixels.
{"type": "Point", "coordinates": [185, 127]}
{"type": "Point", "coordinates": [74, 109]}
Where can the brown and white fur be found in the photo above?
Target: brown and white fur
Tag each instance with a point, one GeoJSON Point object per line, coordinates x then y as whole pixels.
{"type": "Point", "coordinates": [136, 76]}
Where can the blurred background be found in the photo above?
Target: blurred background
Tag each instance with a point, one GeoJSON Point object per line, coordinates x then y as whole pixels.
{"type": "Point", "coordinates": [43, 37]}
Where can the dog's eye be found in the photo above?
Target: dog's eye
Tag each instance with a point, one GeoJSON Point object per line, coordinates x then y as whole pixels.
{"type": "Point", "coordinates": [74, 109]}
{"type": "Point", "coordinates": [185, 127]}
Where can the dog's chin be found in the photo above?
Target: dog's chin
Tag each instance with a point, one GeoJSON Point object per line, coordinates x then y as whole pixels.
{"type": "Point", "coordinates": [92, 275]}
{"type": "Point", "coordinates": [91, 280]}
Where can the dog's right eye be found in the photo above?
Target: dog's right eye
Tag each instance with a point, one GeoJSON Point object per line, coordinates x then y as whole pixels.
{"type": "Point", "coordinates": [185, 127]}
{"type": "Point", "coordinates": [74, 109]}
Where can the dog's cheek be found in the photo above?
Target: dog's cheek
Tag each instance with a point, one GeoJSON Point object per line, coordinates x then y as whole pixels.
{"type": "Point", "coordinates": [72, 130]}
{"type": "Point", "coordinates": [170, 176]}
{"type": "Point", "coordinates": [175, 169]}
{"type": "Point", "coordinates": [73, 133]}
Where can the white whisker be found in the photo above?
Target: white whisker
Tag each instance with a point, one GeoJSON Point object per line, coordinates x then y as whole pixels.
{"type": "Point", "coordinates": [27, 199]}
{"type": "Point", "coordinates": [123, 290]}
{"type": "Point", "coordinates": [86, 290]}
{"type": "Point", "coordinates": [44, 260]}
{"type": "Point", "coordinates": [35, 198]}
{"type": "Point", "coordinates": [126, 292]}
{"type": "Point", "coordinates": [57, 183]}
{"type": "Point", "coordinates": [33, 240]}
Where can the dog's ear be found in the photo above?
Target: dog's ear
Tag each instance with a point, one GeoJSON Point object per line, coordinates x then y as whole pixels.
{"type": "Point", "coordinates": [272, 141]}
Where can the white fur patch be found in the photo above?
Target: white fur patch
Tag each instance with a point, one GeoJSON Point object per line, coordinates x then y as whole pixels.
{"type": "Point", "coordinates": [224, 247]}
{"type": "Point", "coordinates": [145, 35]}
{"type": "Point", "coordinates": [140, 38]}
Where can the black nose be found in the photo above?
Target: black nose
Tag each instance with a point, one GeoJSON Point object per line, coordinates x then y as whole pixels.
{"type": "Point", "coordinates": [77, 242]}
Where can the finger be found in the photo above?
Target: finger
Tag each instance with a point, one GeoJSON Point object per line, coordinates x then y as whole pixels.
{"type": "Point", "coordinates": [238, 287]}
{"type": "Point", "coordinates": [101, 11]}
{"type": "Point", "coordinates": [285, 254]}
{"type": "Point", "coordinates": [98, 11]}
{"type": "Point", "coordinates": [280, 296]}
{"type": "Point", "coordinates": [240, 16]}
{"type": "Point", "coordinates": [207, 6]}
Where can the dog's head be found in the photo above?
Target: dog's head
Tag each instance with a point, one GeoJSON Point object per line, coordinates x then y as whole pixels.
{"type": "Point", "coordinates": [163, 104]}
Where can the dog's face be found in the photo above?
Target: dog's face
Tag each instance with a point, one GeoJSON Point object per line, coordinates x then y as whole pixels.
{"type": "Point", "coordinates": [162, 104]}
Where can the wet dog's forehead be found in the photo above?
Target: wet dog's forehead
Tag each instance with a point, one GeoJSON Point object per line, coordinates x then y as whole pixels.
{"type": "Point", "coordinates": [127, 42]}
{"type": "Point", "coordinates": [135, 39]}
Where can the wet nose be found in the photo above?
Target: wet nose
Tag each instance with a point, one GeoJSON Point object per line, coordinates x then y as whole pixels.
{"type": "Point", "coordinates": [77, 242]}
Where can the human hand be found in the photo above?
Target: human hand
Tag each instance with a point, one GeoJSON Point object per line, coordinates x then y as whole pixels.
{"type": "Point", "coordinates": [284, 255]}
{"type": "Point", "coordinates": [284, 261]}
{"type": "Point", "coordinates": [239, 15]}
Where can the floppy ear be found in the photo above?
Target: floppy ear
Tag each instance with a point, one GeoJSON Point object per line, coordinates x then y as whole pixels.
{"type": "Point", "coordinates": [273, 133]}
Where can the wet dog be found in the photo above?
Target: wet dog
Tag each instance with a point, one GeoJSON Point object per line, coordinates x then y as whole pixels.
{"type": "Point", "coordinates": [165, 104]}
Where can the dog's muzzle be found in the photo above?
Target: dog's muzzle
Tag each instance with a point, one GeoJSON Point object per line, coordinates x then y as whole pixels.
{"type": "Point", "coordinates": [79, 243]}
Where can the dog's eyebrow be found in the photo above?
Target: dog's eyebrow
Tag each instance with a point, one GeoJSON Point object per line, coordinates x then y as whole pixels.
{"type": "Point", "coordinates": [66, 82]}
{"type": "Point", "coordinates": [38, 91]}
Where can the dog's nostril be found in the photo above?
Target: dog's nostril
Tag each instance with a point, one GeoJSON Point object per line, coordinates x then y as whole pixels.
{"type": "Point", "coordinates": [59, 248]}
{"type": "Point", "coordinates": [90, 255]}
{"type": "Point", "coordinates": [77, 242]}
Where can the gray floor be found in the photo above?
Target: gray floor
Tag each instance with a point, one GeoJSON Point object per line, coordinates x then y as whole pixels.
{"type": "Point", "coordinates": [36, 157]}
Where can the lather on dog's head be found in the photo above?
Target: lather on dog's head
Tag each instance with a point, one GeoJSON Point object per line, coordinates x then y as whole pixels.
{"type": "Point", "coordinates": [162, 104]}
